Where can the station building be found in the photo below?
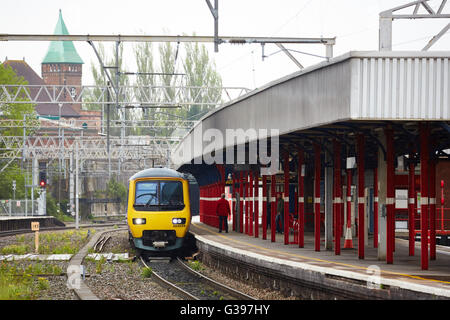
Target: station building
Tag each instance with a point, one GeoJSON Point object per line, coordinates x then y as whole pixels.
{"type": "Point", "coordinates": [61, 68]}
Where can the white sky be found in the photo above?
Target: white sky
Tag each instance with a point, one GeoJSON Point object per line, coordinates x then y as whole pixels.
{"type": "Point", "coordinates": [353, 22]}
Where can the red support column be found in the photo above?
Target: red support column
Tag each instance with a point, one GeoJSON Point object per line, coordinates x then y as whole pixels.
{"type": "Point", "coordinates": [273, 208]}
{"type": "Point", "coordinates": [432, 213]}
{"type": "Point", "coordinates": [246, 197]}
{"type": "Point", "coordinates": [207, 203]}
{"type": "Point", "coordinates": [251, 187]}
{"type": "Point", "coordinates": [424, 157]}
{"type": "Point", "coordinates": [241, 202]}
{"type": "Point", "coordinates": [200, 204]}
{"type": "Point", "coordinates": [286, 198]}
{"type": "Point", "coordinates": [343, 221]}
{"type": "Point", "coordinates": [361, 198]}
{"type": "Point", "coordinates": [442, 205]}
{"type": "Point", "coordinates": [411, 200]}
{"type": "Point", "coordinates": [301, 200]}
{"type": "Point", "coordinates": [233, 201]}
{"type": "Point", "coordinates": [256, 209]}
{"type": "Point", "coordinates": [317, 167]}
{"type": "Point", "coordinates": [264, 207]}
{"type": "Point", "coordinates": [338, 197]}
{"type": "Point", "coordinates": [375, 207]}
{"type": "Point", "coordinates": [390, 196]}
{"type": "Point", "coordinates": [210, 207]}
{"type": "Point", "coordinates": [213, 196]}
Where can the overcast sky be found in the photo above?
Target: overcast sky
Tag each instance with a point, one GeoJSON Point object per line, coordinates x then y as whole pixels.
{"type": "Point", "coordinates": [354, 23]}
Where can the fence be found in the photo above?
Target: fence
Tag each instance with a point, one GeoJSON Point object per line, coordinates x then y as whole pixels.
{"type": "Point", "coordinates": [19, 208]}
{"type": "Point", "coordinates": [442, 220]}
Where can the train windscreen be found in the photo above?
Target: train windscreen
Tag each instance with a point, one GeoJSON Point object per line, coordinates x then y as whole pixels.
{"type": "Point", "coordinates": [159, 195]}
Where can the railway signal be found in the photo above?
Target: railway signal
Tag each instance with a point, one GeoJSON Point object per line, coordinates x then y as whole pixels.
{"type": "Point", "coordinates": [42, 179]}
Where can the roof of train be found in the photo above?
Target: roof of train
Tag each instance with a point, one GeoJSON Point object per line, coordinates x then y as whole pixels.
{"type": "Point", "coordinates": [158, 172]}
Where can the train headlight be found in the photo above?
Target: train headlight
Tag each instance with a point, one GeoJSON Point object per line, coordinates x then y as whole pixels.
{"type": "Point", "coordinates": [179, 221]}
{"type": "Point", "coordinates": [139, 221]}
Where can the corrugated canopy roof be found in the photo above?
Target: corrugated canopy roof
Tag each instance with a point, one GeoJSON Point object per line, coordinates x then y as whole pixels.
{"type": "Point", "coordinates": [62, 51]}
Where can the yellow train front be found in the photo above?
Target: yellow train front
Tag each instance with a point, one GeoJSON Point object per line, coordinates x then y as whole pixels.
{"type": "Point", "coordinates": [158, 210]}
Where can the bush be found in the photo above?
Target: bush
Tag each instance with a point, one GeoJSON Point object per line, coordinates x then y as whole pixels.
{"type": "Point", "coordinates": [147, 272]}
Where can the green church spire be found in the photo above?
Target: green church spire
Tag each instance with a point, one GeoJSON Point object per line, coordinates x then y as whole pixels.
{"type": "Point", "coordinates": [62, 51]}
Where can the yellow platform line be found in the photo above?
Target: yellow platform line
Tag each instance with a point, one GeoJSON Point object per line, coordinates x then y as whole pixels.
{"type": "Point", "coordinates": [317, 259]}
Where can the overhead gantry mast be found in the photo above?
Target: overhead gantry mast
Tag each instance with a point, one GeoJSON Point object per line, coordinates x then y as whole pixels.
{"type": "Point", "coordinates": [387, 17]}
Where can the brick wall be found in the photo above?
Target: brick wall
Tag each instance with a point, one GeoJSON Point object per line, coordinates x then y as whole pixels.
{"type": "Point", "coordinates": [64, 74]}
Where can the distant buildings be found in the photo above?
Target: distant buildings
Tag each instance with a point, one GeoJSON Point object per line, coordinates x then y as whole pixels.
{"type": "Point", "coordinates": [61, 66]}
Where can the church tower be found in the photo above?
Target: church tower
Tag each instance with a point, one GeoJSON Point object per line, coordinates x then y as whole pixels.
{"type": "Point", "coordinates": [62, 65]}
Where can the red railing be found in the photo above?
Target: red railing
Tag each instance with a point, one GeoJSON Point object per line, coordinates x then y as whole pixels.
{"type": "Point", "coordinates": [442, 220]}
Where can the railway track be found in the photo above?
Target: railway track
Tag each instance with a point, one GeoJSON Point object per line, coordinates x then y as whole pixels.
{"type": "Point", "coordinates": [189, 284]}
{"type": "Point", "coordinates": [98, 246]}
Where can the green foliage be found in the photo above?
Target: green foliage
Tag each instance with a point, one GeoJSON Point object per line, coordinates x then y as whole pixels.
{"type": "Point", "coordinates": [52, 209]}
{"type": "Point", "coordinates": [68, 242]}
{"type": "Point", "coordinates": [200, 71]}
{"type": "Point", "coordinates": [193, 60]}
{"type": "Point", "coordinates": [99, 265]}
{"type": "Point", "coordinates": [16, 249]}
{"type": "Point", "coordinates": [43, 283]}
{"type": "Point", "coordinates": [146, 272]}
{"type": "Point", "coordinates": [196, 265]}
{"type": "Point", "coordinates": [115, 189]}
{"type": "Point", "coordinates": [13, 172]}
{"type": "Point", "coordinates": [14, 112]}
{"type": "Point", "coordinates": [101, 80]}
{"type": "Point", "coordinates": [22, 282]}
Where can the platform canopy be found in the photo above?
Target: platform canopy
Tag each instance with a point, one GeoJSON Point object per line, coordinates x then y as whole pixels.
{"type": "Point", "coordinates": [356, 92]}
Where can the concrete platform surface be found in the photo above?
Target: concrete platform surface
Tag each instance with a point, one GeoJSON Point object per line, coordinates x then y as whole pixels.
{"type": "Point", "coordinates": [405, 273]}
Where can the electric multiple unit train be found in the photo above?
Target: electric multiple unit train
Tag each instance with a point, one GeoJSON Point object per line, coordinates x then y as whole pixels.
{"type": "Point", "coordinates": [158, 210]}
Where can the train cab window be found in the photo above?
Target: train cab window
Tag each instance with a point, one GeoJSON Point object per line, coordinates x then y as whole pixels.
{"type": "Point", "coordinates": [146, 193]}
{"type": "Point", "coordinates": [159, 196]}
{"type": "Point", "coordinates": [171, 193]}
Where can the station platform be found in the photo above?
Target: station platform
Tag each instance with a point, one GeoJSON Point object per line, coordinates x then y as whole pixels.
{"type": "Point", "coordinates": [9, 223]}
{"type": "Point", "coordinates": [342, 276]}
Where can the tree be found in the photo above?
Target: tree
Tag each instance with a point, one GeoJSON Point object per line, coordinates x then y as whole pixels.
{"type": "Point", "coordinates": [201, 72]}
{"type": "Point", "coordinates": [15, 111]}
{"type": "Point", "coordinates": [116, 190]}
{"type": "Point", "coordinates": [144, 60]}
{"type": "Point", "coordinates": [101, 80]}
{"type": "Point", "coordinates": [168, 65]}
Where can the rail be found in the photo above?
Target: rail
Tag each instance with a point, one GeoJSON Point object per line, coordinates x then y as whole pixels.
{"type": "Point", "coordinates": [231, 291]}
{"type": "Point", "coordinates": [191, 284]}
{"type": "Point", "coordinates": [158, 278]}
